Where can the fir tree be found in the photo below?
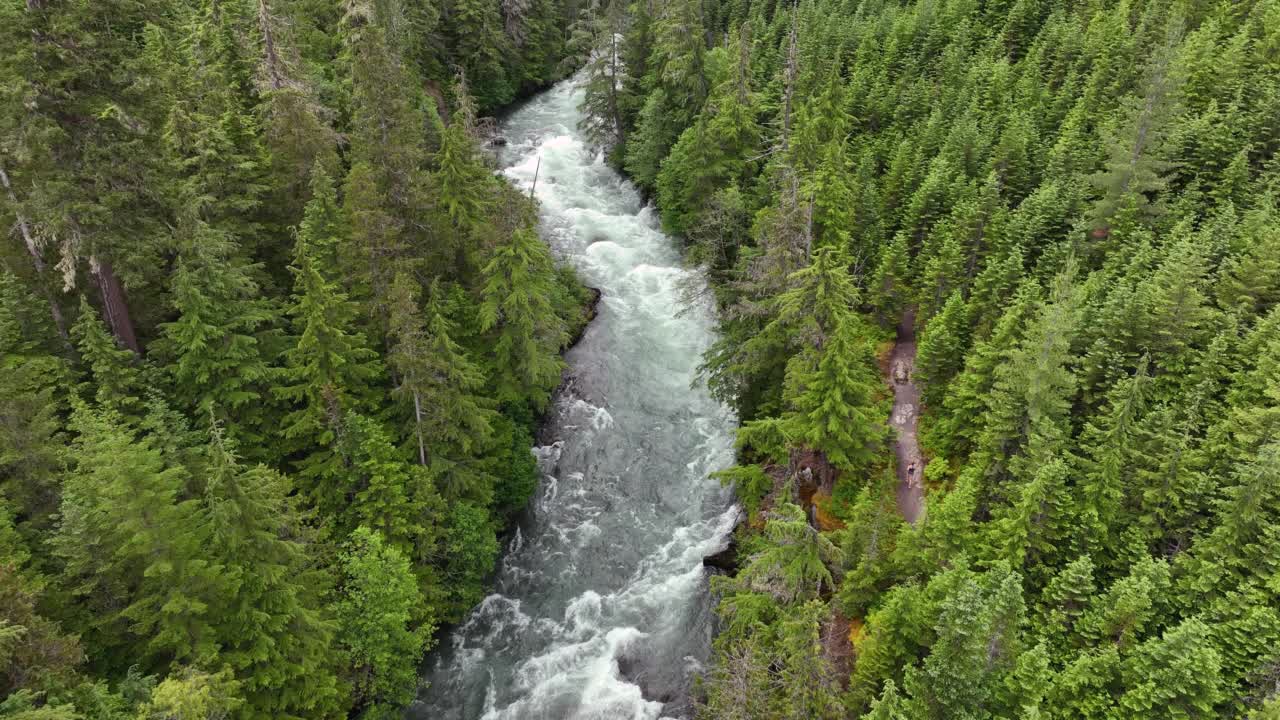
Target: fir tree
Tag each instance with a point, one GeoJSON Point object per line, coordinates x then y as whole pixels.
{"type": "Point", "coordinates": [273, 633]}
{"type": "Point", "coordinates": [329, 370]}
{"type": "Point", "coordinates": [451, 418]}
{"type": "Point", "coordinates": [215, 348]}
{"type": "Point", "coordinates": [515, 306]}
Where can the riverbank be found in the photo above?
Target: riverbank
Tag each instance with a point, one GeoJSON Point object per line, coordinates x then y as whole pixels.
{"type": "Point", "coordinates": [599, 604]}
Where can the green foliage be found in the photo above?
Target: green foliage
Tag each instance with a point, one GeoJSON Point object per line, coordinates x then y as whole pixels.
{"type": "Point", "coordinates": [273, 636]}
{"type": "Point", "coordinates": [1075, 205]}
{"type": "Point", "coordinates": [1074, 201]}
{"type": "Point", "coordinates": [374, 617]}
{"type": "Point", "coordinates": [330, 368]}
{"type": "Point", "coordinates": [750, 484]}
{"type": "Point", "coordinates": [215, 349]}
{"type": "Point", "coordinates": [516, 307]}
{"type": "Point", "coordinates": [191, 306]}
{"type": "Point", "coordinates": [794, 567]}
{"type": "Point", "coordinates": [126, 533]}
{"type": "Point", "coordinates": [193, 695]}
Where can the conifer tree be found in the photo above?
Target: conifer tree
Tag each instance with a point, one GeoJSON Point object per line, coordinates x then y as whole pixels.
{"type": "Point", "coordinates": [1175, 676]}
{"type": "Point", "coordinates": [1109, 468]}
{"type": "Point", "coordinates": [968, 394]}
{"type": "Point", "coordinates": [515, 306]}
{"type": "Point", "coordinates": [462, 183]}
{"type": "Point", "coordinates": [132, 547]}
{"type": "Point", "coordinates": [834, 409]}
{"type": "Point", "coordinates": [1136, 168]}
{"type": "Point", "coordinates": [214, 349]}
{"type": "Point", "coordinates": [330, 369]}
{"type": "Point", "coordinates": [1176, 314]}
{"type": "Point", "coordinates": [890, 281]}
{"type": "Point", "coordinates": [1035, 526]}
{"type": "Point", "coordinates": [269, 620]}
{"type": "Point", "coordinates": [715, 150]}
{"type": "Point", "coordinates": [297, 126]}
{"type": "Point", "coordinates": [72, 121]}
{"type": "Point", "coordinates": [1028, 421]}
{"type": "Point", "coordinates": [1122, 614]}
{"type": "Point", "coordinates": [385, 188]}
{"type": "Point", "coordinates": [33, 386]}
{"type": "Point", "coordinates": [113, 374]}
{"type": "Point", "coordinates": [452, 420]}
{"type": "Point", "coordinates": [1065, 598]}
{"type": "Point", "coordinates": [978, 636]}
{"type": "Point", "coordinates": [383, 492]}
{"type": "Point", "coordinates": [740, 686]}
{"type": "Point", "coordinates": [942, 348]}
{"type": "Point", "coordinates": [808, 685]}
{"type": "Point", "coordinates": [889, 706]}
{"type": "Point", "coordinates": [597, 43]}
{"type": "Point", "coordinates": [191, 693]}
{"type": "Point", "coordinates": [476, 29]}
{"type": "Point", "coordinates": [794, 566]}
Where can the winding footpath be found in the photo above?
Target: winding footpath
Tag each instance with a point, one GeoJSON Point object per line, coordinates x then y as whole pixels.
{"type": "Point", "coordinates": [906, 407]}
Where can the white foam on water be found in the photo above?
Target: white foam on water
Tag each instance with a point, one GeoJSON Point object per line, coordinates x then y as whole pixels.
{"type": "Point", "coordinates": [601, 595]}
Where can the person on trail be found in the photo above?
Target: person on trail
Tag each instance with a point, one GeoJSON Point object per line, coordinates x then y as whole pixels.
{"type": "Point", "coordinates": [911, 473]}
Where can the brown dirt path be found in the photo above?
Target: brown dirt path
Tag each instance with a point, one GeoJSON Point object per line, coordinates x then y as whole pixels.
{"type": "Point", "coordinates": [906, 407]}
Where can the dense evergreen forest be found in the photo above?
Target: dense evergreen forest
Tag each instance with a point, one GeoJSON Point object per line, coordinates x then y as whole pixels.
{"type": "Point", "coordinates": [273, 343]}
{"type": "Point", "coordinates": [274, 340]}
{"type": "Point", "coordinates": [1072, 203]}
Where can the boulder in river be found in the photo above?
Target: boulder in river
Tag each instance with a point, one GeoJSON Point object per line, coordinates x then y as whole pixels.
{"type": "Point", "coordinates": [725, 560]}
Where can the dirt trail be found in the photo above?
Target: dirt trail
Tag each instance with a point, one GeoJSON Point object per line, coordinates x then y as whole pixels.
{"type": "Point", "coordinates": [906, 406]}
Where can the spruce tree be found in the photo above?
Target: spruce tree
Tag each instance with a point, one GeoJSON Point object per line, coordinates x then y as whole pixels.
{"type": "Point", "coordinates": [451, 418]}
{"type": "Point", "coordinates": [516, 309]}
{"type": "Point", "coordinates": [217, 348]}
{"type": "Point", "coordinates": [329, 370]}
{"type": "Point", "coordinates": [273, 631]}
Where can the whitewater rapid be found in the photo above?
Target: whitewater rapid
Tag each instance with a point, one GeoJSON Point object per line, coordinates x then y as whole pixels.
{"type": "Point", "coordinates": [600, 606]}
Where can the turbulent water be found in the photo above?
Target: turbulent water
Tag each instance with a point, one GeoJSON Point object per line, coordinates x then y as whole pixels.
{"type": "Point", "coordinates": [600, 606]}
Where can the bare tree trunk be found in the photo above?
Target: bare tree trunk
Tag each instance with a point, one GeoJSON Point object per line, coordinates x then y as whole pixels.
{"type": "Point", "coordinates": [270, 59]}
{"type": "Point", "coordinates": [417, 416]}
{"type": "Point", "coordinates": [34, 249]}
{"type": "Point", "coordinates": [790, 73]}
{"type": "Point", "coordinates": [115, 304]}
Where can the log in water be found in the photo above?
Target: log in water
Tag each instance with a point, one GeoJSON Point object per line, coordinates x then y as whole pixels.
{"type": "Point", "coordinates": [600, 606]}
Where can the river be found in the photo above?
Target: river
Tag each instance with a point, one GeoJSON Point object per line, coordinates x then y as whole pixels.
{"type": "Point", "coordinates": [600, 606]}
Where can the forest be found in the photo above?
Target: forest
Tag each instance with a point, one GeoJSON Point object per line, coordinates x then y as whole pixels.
{"type": "Point", "coordinates": [275, 341]}
{"type": "Point", "coordinates": [1072, 203]}
{"type": "Point", "coordinates": [273, 344]}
